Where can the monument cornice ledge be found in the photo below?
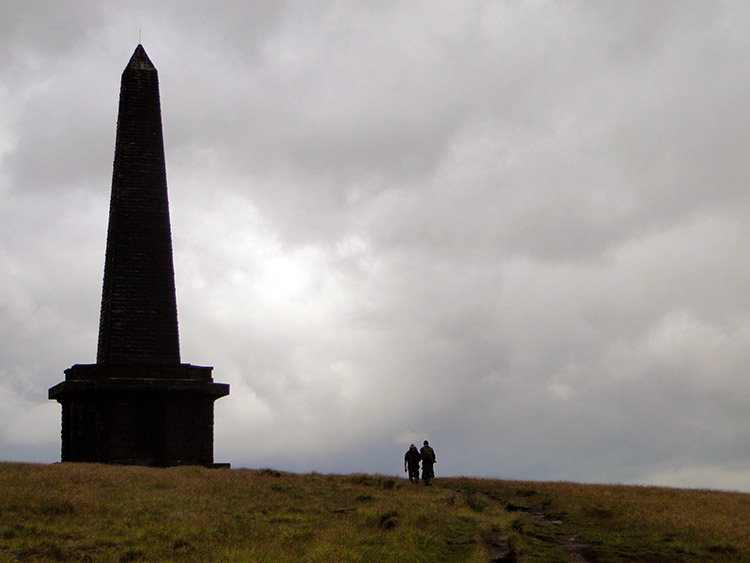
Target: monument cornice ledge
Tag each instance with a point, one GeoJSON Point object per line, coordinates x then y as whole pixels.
{"type": "Point", "coordinates": [81, 386]}
{"type": "Point", "coordinates": [138, 370]}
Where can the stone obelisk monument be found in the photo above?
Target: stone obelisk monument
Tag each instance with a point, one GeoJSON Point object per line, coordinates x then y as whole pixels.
{"type": "Point", "coordinates": [138, 404]}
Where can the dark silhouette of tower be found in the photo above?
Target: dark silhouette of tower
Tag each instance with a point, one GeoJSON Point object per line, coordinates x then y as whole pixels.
{"type": "Point", "coordinates": [138, 404]}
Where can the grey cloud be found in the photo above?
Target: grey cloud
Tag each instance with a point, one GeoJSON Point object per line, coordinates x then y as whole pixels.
{"type": "Point", "coordinates": [516, 230]}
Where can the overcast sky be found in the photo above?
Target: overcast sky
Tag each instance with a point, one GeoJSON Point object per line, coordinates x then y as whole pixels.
{"type": "Point", "coordinates": [517, 229]}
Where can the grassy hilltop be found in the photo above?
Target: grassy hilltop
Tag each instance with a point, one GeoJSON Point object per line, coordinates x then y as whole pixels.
{"type": "Point", "coordinates": [89, 512]}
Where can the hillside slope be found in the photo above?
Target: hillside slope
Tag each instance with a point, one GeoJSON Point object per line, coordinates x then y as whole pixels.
{"type": "Point", "coordinates": [89, 512]}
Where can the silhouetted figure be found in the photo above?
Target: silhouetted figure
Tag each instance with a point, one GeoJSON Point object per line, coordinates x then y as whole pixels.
{"type": "Point", "coordinates": [428, 460]}
{"type": "Point", "coordinates": [411, 461]}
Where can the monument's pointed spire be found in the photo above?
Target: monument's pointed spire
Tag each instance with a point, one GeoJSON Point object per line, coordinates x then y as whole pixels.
{"type": "Point", "coordinates": [138, 322]}
{"type": "Point", "coordinates": [140, 60]}
{"type": "Point", "coordinates": [138, 404]}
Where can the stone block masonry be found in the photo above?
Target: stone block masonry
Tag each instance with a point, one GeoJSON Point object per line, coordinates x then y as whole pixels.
{"type": "Point", "coordinates": [138, 404]}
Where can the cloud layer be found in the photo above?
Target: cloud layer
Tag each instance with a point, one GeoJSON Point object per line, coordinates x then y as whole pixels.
{"type": "Point", "coordinates": [516, 230]}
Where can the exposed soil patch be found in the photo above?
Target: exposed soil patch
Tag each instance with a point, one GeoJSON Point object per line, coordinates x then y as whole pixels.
{"type": "Point", "coordinates": [577, 550]}
{"type": "Point", "coordinates": [496, 542]}
{"type": "Point", "coordinates": [542, 526]}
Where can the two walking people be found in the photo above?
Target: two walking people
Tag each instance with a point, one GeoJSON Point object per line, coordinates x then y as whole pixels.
{"type": "Point", "coordinates": [413, 457]}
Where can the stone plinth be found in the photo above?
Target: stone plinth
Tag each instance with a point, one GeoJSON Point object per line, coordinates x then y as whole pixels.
{"type": "Point", "coordinates": [143, 415]}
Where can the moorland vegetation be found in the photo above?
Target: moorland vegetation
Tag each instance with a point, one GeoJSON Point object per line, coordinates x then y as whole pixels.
{"type": "Point", "coordinates": [90, 512]}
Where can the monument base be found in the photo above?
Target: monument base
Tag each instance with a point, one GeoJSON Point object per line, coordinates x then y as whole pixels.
{"type": "Point", "coordinates": [159, 416]}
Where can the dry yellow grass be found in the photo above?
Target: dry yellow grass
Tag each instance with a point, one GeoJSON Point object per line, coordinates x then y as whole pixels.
{"type": "Point", "coordinates": [88, 512]}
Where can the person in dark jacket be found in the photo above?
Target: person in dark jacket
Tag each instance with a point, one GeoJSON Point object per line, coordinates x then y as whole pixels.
{"type": "Point", "coordinates": [428, 460]}
{"type": "Point", "coordinates": [411, 461]}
